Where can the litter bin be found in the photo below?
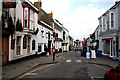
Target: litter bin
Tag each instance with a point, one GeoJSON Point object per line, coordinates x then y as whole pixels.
{"type": "Point", "coordinates": [87, 55]}
{"type": "Point", "coordinates": [99, 53]}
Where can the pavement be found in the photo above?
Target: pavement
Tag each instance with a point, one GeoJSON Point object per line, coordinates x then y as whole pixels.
{"type": "Point", "coordinates": [104, 60]}
{"type": "Point", "coordinates": [15, 69]}
{"type": "Point", "coordinates": [12, 71]}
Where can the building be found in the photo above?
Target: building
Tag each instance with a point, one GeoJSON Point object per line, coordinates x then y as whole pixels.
{"type": "Point", "coordinates": [71, 43]}
{"type": "Point", "coordinates": [109, 31]}
{"type": "Point", "coordinates": [59, 35]}
{"type": "Point", "coordinates": [45, 35]}
{"type": "Point", "coordinates": [19, 38]}
{"type": "Point", "coordinates": [65, 43]}
{"type": "Point", "coordinates": [44, 38]}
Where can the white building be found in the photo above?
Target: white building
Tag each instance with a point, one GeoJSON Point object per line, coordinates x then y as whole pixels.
{"type": "Point", "coordinates": [23, 42]}
{"type": "Point", "coordinates": [65, 43]}
{"type": "Point", "coordinates": [59, 35]}
{"type": "Point", "coordinates": [44, 37]}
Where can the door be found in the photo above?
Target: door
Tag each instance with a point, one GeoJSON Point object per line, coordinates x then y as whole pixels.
{"type": "Point", "coordinates": [5, 47]}
{"type": "Point", "coordinates": [49, 46]}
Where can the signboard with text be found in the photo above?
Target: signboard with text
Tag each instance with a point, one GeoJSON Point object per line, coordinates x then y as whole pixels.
{"type": "Point", "coordinates": [9, 3]}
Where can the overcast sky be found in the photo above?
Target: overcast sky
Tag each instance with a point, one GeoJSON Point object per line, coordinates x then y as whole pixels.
{"type": "Point", "coordinates": [80, 17]}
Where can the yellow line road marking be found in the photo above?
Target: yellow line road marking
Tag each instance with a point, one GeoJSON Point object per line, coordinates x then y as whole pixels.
{"type": "Point", "coordinates": [31, 72]}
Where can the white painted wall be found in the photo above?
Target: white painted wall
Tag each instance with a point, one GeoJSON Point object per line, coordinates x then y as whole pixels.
{"type": "Point", "coordinates": [12, 53]}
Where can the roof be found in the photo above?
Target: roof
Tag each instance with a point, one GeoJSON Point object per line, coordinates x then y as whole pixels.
{"type": "Point", "coordinates": [45, 25]}
{"type": "Point", "coordinates": [117, 3]}
{"type": "Point", "coordinates": [31, 4]}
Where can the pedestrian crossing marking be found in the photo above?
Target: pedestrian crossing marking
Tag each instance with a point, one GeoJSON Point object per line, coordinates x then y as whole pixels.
{"type": "Point", "coordinates": [78, 60]}
{"type": "Point", "coordinates": [31, 74]}
{"type": "Point", "coordinates": [68, 60]}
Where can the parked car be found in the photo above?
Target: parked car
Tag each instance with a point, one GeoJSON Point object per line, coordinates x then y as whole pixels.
{"type": "Point", "coordinates": [112, 73]}
{"type": "Point", "coordinates": [77, 49]}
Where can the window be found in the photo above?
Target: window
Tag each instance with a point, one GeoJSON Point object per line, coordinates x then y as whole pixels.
{"type": "Point", "coordinates": [18, 45]}
{"type": "Point", "coordinates": [31, 19]}
{"type": "Point", "coordinates": [5, 13]}
{"type": "Point", "coordinates": [26, 18]}
{"type": "Point", "coordinates": [100, 21]}
{"type": "Point", "coordinates": [63, 35]}
{"type": "Point", "coordinates": [12, 44]}
{"type": "Point", "coordinates": [107, 21]}
{"type": "Point", "coordinates": [112, 20]}
{"type": "Point", "coordinates": [33, 45]}
{"type": "Point", "coordinates": [39, 47]}
{"type": "Point", "coordinates": [28, 45]}
{"type": "Point", "coordinates": [24, 42]}
{"type": "Point", "coordinates": [103, 24]}
{"type": "Point", "coordinates": [57, 35]}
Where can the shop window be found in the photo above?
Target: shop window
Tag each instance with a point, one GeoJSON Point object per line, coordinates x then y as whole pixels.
{"type": "Point", "coordinates": [12, 44]}
{"type": "Point", "coordinates": [33, 45]}
{"type": "Point", "coordinates": [18, 45]}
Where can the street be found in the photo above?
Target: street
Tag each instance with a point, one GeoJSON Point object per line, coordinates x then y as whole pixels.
{"type": "Point", "coordinates": [70, 66]}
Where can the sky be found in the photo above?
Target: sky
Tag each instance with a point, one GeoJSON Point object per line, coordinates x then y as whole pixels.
{"type": "Point", "coordinates": [80, 17]}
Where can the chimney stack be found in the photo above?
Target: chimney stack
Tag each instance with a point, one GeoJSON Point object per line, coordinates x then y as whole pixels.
{"type": "Point", "coordinates": [50, 14]}
{"type": "Point", "coordinates": [38, 4]}
{"type": "Point", "coordinates": [117, 2]}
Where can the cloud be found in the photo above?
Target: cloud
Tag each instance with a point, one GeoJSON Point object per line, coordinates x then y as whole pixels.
{"type": "Point", "coordinates": [83, 21]}
{"type": "Point", "coordinates": [103, 0]}
{"type": "Point", "coordinates": [80, 22]}
{"type": "Point", "coordinates": [90, 5]}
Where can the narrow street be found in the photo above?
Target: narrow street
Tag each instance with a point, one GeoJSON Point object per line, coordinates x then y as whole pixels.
{"type": "Point", "coordinates": [70, 66]}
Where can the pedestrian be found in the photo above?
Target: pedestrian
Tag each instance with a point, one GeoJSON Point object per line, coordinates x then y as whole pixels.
{"type": "Point", "coordinates": [46, 51]}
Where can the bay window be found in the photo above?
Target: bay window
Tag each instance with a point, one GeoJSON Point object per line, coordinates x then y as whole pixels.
{"type": "Point", "coordinates": [26, 18]}
{"type": "Point", "coordinates": [31, 19]}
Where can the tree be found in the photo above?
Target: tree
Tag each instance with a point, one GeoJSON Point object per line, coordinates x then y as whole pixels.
{"type": "Point", "coordinates": [19, 25]}
{"type": "Point", "coordinates": [3, 21]}
{"type": "Point", "coordinates": [11, 26]}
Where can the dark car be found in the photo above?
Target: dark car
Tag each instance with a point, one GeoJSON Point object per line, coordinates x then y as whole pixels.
{"type": "Point", "coordinates": [112, 73]}
{"type": "Point", "coordinates": [77, 49]}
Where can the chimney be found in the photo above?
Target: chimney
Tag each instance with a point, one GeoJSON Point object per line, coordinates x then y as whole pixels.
{"type": "Point", "coordinates": [50, 14]}
{"type": "Point", "coordinates": [38, 4]}
{"type": "Point", "coordinates": [116, 2]}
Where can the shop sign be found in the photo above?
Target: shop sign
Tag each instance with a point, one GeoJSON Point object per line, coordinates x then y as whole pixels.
{"type": "Point", "coordinates": [9, 3]}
